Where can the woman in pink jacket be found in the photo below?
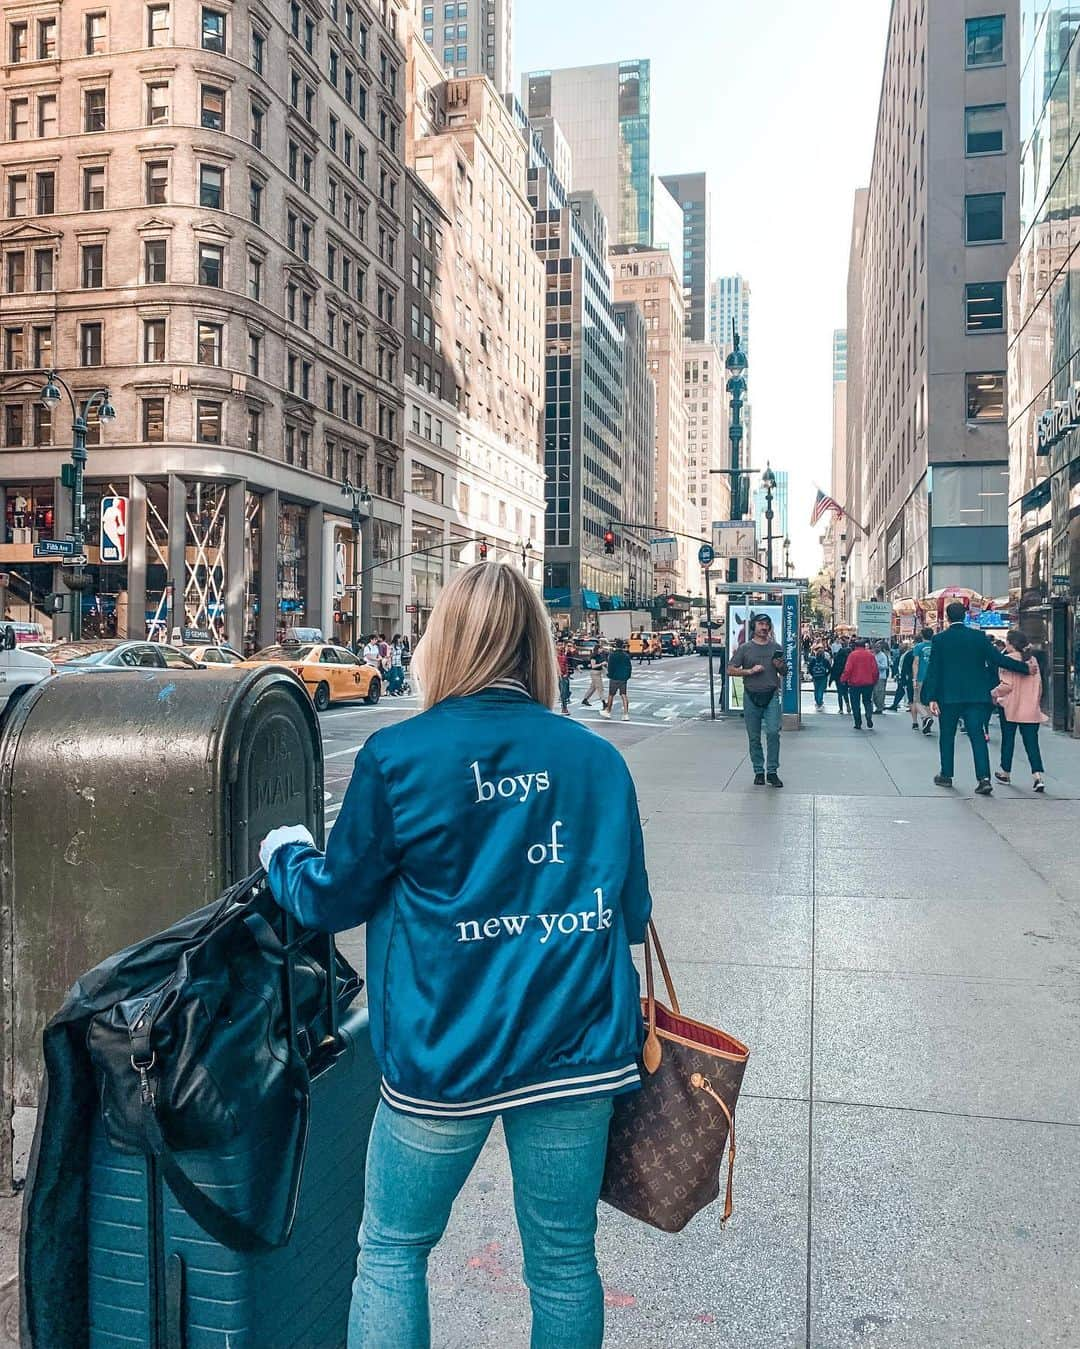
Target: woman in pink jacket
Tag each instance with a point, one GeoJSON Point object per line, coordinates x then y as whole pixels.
{"type": "Point", "coordinates": [1020, 698]}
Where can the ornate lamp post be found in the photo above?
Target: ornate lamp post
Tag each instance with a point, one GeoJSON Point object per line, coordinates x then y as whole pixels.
{"type": "Point", "coordinates": [736, 365]}
{"type": "Point", "coordinates": [360, 499]}
{"type": "Point", "coordinates": [768, 481]}
{"type": "Point", "coordinates": [51, 397]}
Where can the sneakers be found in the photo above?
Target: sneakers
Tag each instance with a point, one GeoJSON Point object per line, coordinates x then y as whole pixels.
{"type": "Point", "coordinates": [773, 779]}
{"type": "Point", "coordinates": [940, 780]}
{"type": "Point", "coordinates": [914, 725]}
{"type": "Point", "coordinates": [870, 723]}
{"type": "Point", "coordinates": [984, 788]}
{"type": "Point", "coordinates": [605, 713]}
{"type": "Point", "coordinates": [1037, 784]}
{"type": "Point", "coordinates": [1002, 777]}
{"type": "Point", "coordinates": [626, 716]}
{"type": "Point", "coordinates": [759, 779]}
{"type": "Point", "coordinates": [927, 725]}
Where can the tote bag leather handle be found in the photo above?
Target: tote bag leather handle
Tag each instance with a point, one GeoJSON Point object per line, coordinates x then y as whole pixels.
{"type": "Point", "coordinates": [651, 1053]}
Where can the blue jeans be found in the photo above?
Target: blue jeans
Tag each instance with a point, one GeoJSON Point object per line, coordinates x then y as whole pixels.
{"type": "Point", "coordinates": [975, 717]}
{"type": "Point", "coordinates": [564, 691]}
{"type": "Point", "coordinates": [821, 683]}
{"type": "Point", "coordinates": [396, 679]}
{"type": "Point", "coordinates": [415, 1169]}
{"type": "Point", "coordinates": [769, 717]}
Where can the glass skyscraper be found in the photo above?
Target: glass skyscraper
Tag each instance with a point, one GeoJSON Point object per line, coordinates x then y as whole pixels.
{"type": "Point", "coordinates": [1044, 352]}
{"type": "Point", "coordinates": [729, 299]}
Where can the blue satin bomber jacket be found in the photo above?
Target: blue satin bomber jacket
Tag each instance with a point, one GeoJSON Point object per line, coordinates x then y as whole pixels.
{"type": "Point", "coordinates": [494, 850]}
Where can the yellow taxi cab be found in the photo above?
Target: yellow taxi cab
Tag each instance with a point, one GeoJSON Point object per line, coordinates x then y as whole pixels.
{"type": "Point", "coordinates": [330, 673]}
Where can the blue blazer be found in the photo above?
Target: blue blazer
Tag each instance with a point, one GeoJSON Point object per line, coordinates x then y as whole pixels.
{"type": "Point", "coordinates": [495, 852]}
{"type": "Point", "coordinates": [963, 667]}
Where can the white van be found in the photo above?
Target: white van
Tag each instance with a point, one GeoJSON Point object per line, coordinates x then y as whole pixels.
{"type": "Point", "coordinates": [19, 669]}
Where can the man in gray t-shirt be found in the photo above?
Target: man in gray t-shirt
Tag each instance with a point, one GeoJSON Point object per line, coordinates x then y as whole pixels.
{"type": "Point", "coordinates": [760, 664]}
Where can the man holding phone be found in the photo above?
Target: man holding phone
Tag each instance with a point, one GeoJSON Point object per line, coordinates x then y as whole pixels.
{"type": "Point", "coordinates": [760, 664]}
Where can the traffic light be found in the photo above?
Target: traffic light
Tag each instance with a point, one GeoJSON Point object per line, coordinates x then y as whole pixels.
{"type": "Point", "coordinates": [482, 550]}
{"type": "Point", "coordinates": [609, 541]}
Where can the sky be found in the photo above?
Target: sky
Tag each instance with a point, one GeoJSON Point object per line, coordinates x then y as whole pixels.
{"type": "Point", "coordinates": [777, 103]}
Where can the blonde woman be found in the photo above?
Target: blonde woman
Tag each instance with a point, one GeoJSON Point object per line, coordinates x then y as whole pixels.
{"type": "Point", "coordinates": [500, 922]}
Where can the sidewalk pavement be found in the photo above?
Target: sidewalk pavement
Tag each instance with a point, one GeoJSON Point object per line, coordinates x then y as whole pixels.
{"type": "Point", "coordinates": [903, 962]}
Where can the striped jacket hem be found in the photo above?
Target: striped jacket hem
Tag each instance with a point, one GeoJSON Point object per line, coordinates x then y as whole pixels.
{"type": "Point", "coordinates": [611, 1083]}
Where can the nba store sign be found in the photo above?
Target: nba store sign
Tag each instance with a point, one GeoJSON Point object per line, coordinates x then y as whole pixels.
{"type": "Point", "coordinates": [114, 529]}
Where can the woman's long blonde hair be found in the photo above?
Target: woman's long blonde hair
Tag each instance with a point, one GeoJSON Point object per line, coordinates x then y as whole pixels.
{"type": "Point", "coordinates": [488, 624]}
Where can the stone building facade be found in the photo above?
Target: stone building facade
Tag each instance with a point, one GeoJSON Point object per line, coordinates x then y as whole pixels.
{"type": "Point", "coordinates": [202, 211]}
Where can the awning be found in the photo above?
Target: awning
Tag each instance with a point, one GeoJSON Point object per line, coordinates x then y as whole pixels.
{"type": "Point", "coordinates": [590, 599]}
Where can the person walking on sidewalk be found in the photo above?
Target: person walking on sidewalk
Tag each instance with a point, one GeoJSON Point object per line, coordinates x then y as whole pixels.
{"type": "Point", "coordinates": [618, 670]}
{"type": "Point", "coordinates": [860, 676]}
{"type": "Point", "coordinates": [431, 842]}
{"type": "Point", "coordinates": [881, 655]}
{"type": "Point", "coordinates": [961, 672]}
{"type": "Point", "coordinates": [920, 713]}
{"type": "Point", "coordinates": [562, 658]}
{"type": "Point", "coordinates": [596, 676]}
{"type": "Point", "coordinates": [903, 680]}
{"type": "Point", "coordinates": [1019, 698]}
{"type": "Point", "coordinates": [819, 668]}
{"type": "Point", "coordinates": [760, 664]}
{"type": "Point", "coordinates": [840, 655]}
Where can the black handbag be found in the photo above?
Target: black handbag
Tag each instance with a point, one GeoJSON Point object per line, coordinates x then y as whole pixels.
{"type": "Point", "coordinates": [666, 1142]}
{"type": "Point", "coordinates": [219, 1046]}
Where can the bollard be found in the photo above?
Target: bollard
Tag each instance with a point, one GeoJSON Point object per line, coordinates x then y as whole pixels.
{"type": "Point", "coordinates": [127, 799]}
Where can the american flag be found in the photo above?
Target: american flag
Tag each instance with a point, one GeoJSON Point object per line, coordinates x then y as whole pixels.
{"type": "Point", "coordinates": [823, 503]}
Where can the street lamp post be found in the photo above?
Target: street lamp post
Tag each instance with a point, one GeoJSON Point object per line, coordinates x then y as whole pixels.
{"type": "Point", "coordinates": [768, 481]}
{"type": "Point", "coordinates": [736, 366]}
{"type": "Point", "coordinates": [787, 556]}
{"type": "Point", "coordinates": [51, 397]}
{"type": "Point", "coordinates": [360, 499]}
{"type": "Point", "coordinates": [525, 547]}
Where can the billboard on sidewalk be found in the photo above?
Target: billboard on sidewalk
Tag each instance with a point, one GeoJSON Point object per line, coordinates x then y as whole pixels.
{"type": "Point", "coordinates": [874, 618]}
{"type": "Point", "coordinates": [114, 529]}
{"type": "Point", "coordinates": [738, 627]}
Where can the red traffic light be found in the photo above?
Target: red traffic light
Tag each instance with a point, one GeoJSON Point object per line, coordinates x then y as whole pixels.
{"type": "Point", "coordinates": [483, 550]}
{"type": "Point", "coordinates": [671, 602]}
{"type": "Point", "coordinates": [609, 541]}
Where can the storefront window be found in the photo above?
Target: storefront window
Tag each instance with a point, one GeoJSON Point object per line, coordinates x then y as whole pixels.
{"type": "Point", "coordinates": [252, 569]}
{"type": "Point", "coordinates": [28, 513]}
{"type": "Point", "coordinates": [292, 566]}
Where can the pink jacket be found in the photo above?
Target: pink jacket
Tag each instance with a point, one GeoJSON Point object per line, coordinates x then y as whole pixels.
{"type": "Point", "coordinates": [1020, 695]}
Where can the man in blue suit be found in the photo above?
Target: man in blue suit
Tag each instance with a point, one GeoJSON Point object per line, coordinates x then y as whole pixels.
{"type": "Point", "coordinates": [962, 671]}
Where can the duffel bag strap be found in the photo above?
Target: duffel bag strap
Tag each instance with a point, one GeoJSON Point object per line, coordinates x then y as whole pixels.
{"type": "Point", "coordinates": [217, 1222]}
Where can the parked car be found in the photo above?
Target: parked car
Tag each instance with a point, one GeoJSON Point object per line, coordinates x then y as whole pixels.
{"type": "Point", "coordinates": [214, 655]}
{"type": "Point", "coordinates": [116, 653]}
{"type": "Point", "coordinates": [671, 643]}
{"type": "Point", "coordinates": [330, 673]}
{"type": "Point", "coordinates": [20, 669]}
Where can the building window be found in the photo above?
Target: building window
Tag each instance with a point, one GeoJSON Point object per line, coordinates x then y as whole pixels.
{"type": "Point", "coordinates": [258, 117]}
{"type": "Point", "coordinates": [984, 129]}
{"type": "Point", "coordinates": [155, 260]}
{"type": "Point", "coordinates": [94, 189]}
{"type": "Point", "coordinates": [985, 41]}
{"type": "Point", "coordinates": [46, 40]}
{"type": "Point", "coordinates": [212, 108]}
{"type": "Point", "coordinates": [18, 42]}
{"type": "Point", "coordinates": [93, 266]}
{"type": "Point", "coordinates": [16, 195]}
{"type": "Point", "coordinates": [13, 425]}
{"type": "Point", "coordinates": [46, 193]}
{"type": "Point", "coordinates": [986, 397]}
{"type": "Point", "coordinates": [254, 430]}
{"type": "Point", "coordinates": [97, 34]}
{"type": "Point", "coordinates": [93, 109]}
{"type": "Point", "coordinates": [211, 186]}
{"type": "Point", "coordinates": [153, 420]}
{"type": "Point", "coordinates": [984, 306]}
{"type": "Point", "coordinates": [15, 273]}
{"type": "Point", "coordinates": [90, 344]}
{"type": "Point", "coordinates": [14, 349]}
{"type": "Point", "coordinates": [43, 348]}
{"type": "Point", "coordinates": [254, 353]}
{"type": "Point", "coordinates": [43, 269]}
{"type": "Point", "coordinates": [208, 422]}
{"type": "Point", "coordinates": [210, 337]}
{"type": "Point", "coordinates": [213, 31]}
{"type": "Point", "coordinates": [157, 104]}
{"type": "Point", "coordinates": [255, 192]}
{"type": "Point", "coordinates": [153, 341]}
{"type": "Point", "coordinates": [158, 26]}
{"type": "Point", "coordinates": [19, 119]}
{"type": "Point", "coordinates": [258, 51]}
{"type": "Point", "coordinates": [254, 278]}
{"type": "Point", "coordinates": [46, 115]}
{"type": "Point", "coordinates": [984, 218]}
{"type": "Point", "coordinates": [157, 182]}
{"type": "Point", "coordinates": [211, 265]}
